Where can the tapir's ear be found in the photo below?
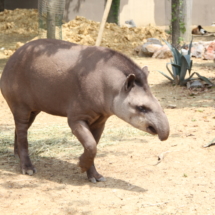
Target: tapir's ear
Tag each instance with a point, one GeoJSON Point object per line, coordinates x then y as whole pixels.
{"type": "Point", "coordinates": [145, 70]}
{"type": "Point", "coordinates": [129, 83]}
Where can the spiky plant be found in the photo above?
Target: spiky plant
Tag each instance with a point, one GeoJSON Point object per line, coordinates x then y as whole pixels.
{"type": "Point", "coordinates": [181, 64]}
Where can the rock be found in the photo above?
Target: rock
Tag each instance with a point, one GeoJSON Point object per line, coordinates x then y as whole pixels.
{"type": "Point", "coordinates": [208, 56]}
{"type": "Point", "coordinates": [172, 106]}
{"type": "Point", "coordinates": [184, 51]}
{"type": "Point", "coordinates": [131, 23]}
{"type": "Point", "coordinates": [154, 41]}
{"type": "Point", "coordinates": [138, 51]}
{"type": "Point", "coordinates": [150, 49]}
{"type": "Point", "coordinates": [210, 52]}
{"type": "Point", "coordinates": [197, 50]}
{"type": "Point", "coordinates": [151, 46]}
{"type": "Point", "coordinates": [162, 53]}
{"type": "Point", "coordinates": [194, 84]}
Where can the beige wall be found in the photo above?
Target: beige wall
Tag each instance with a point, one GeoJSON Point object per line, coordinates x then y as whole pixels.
{"type": "Point", "coordinates": [91, 9]}
{"type": "Point", "coordinates": [143, 12]}
{"type": "Point", "coordinates": [158, 12]}
{"type": "Point", "coordinates": [203, 12]}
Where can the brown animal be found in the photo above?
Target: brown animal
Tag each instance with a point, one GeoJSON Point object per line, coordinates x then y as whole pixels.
{"type": "Point", "coordinates": [199, 30]}
{"type": "Point", "coordinates": [85, 84]}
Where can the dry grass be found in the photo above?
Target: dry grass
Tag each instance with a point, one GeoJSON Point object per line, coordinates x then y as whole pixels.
{"type": "Point", "coordinates": [58, 141]}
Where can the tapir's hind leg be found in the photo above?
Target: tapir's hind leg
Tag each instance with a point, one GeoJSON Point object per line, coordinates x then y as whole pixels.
{"type": "Point", "coordinates": [23, 120]}
{"type": "Point", "coordinates": [31, 120]}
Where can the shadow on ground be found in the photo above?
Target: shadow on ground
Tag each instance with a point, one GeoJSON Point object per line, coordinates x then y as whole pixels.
{"type": "Point", "coordinates": [182, 97]}
{"type": "Point", "coordinates": [59, 171]}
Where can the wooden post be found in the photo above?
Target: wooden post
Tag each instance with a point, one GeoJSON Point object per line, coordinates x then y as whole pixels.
{"type": "Point", "coordinates": [102, 25]}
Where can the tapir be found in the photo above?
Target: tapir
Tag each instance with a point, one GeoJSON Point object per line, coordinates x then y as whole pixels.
{"type": "Point", "coordinates": [86, 84]}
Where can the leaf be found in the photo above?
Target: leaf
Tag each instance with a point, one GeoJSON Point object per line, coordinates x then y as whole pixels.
{"type": "Point", "coordinates": [170, 71]}
{"type": "Point", "coordinates": [175, 52]}
{"type": "Point", "coordinates": [183, 72]}
{"type": "Point", "coordinates": [177, 67]}
{"type": "Point", "coordinates": [205, 79]}
{"type": "Point", "coordinates": [190, 46]}
{"type": "Point", "coordinates": [187, 58]}
{"type": "Point", "coordinates": [178, 56]}
{"type": "Point", "coordinates": [165, 75]}
{"type": "Point", "coordinates": [191, 65]}
{"type": "Point", "coordinates": [174, 69]}
{"type": "Point", "coordinates": [211, 143]}
{"type": "Point", "coordinates": [190, 78]}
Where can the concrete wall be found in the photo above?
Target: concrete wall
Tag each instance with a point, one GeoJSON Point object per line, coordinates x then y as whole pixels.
{"type": "Point", "coordinates": [203, 12]}
{"type": "Point", "coordinates": [143, 12]}
{"type": "Point", "coordinates": [91, 9]}
{"type": "Point", "coordinates": [158, 12]}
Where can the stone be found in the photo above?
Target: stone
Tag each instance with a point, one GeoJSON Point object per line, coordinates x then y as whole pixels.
{"type": "Point", "coordinates": [151, 46]}
{"type": "Point", "coordinates": [162, 53]}
{"type": "Point", "coordinates": [184, 51]}
{"type": "Point", "coordinates": [149, 49]}
{"type": "Point", "coordinates": [210, 52]}
{"type": "Point", "coordinates": [196, 84]}
{"type": "Point", "coordinates": [197, 50]}
{"type": "Point", "coordinates": [131, 23]}
{"type": "Point", "coordinates": [154, 41]}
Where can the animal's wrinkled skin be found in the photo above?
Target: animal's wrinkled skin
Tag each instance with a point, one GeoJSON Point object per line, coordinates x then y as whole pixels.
{"type": "Point", "coordinates": [85, 84]}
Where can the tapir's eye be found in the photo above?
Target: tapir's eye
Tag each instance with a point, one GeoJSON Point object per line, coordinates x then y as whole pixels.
{"type": "Point", "coordinates": [143, 109]}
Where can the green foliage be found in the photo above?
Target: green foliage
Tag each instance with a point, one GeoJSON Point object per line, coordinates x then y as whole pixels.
{"type": "Point", "coordinates": [181, 64]}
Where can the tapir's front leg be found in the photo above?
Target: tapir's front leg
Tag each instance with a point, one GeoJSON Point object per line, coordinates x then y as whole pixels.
{"type": "Point", "coordinates": [82, 131]}
{"type": "Point", "coordinates": [92, 173]}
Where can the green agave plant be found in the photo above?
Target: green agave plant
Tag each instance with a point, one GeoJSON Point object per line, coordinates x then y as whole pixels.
{"type": "Point", "coordinates": [181, 64]}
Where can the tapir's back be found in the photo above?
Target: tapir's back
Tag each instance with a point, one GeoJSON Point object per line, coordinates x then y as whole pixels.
{"type": "Point", "coordinates": [47, 74]}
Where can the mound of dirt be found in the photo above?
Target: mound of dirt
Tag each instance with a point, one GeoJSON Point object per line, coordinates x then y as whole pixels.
{"type": "Point", "coordinates": [123, 39]}
{"type": "Point", "coordinates": [19, 21]}
{"type": "Point", "coordinates": [80, 30]}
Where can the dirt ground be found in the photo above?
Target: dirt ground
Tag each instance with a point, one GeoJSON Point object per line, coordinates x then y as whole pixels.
{"type": "Point", "coordinates": [182, 183]}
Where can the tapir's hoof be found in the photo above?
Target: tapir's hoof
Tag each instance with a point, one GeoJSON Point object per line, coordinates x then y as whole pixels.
{"type": "Point", "coordinates": [29, 172]}
{"type": "Point", "coordinates": [93, 180]}
{"type": "Point", "coordinates": [101, 179]}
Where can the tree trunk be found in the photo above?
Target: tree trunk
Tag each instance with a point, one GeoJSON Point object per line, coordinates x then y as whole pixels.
{"type": "Point", "coordinates": [1, 5]}
{"type": "Point", "coordinates": [187, 19]}
{"type": "Point", "coordinates": [51, 19]}
{"type": "Point", "coordinates": [51, 25]}
{"type": "Point", "coordinates": [175, 22]}
{"type": "Point", "coordinates": [114, 12]}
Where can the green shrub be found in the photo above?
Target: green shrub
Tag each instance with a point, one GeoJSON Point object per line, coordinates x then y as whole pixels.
{"type": "Point", "coordinates": [181, 64]}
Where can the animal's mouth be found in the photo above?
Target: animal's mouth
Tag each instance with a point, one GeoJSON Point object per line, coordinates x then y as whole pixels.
{"type": "Point", "coordinates": [151, 130]}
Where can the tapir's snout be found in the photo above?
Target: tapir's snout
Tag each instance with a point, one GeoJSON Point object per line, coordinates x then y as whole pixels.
{"type": "Point", "coordinates": [160, 126]}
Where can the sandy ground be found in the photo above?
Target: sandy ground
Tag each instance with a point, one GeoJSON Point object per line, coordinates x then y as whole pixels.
{"type": "Point", "coordinates": [182, 183]}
